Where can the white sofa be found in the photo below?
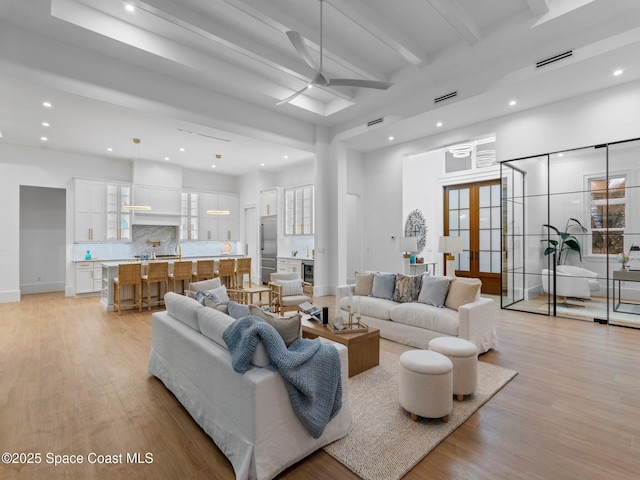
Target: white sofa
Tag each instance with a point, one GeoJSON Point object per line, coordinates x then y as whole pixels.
{"type": "Point", "coordinates": [249, 416]}
{"type": "Point", "coordinates": [415, 323]}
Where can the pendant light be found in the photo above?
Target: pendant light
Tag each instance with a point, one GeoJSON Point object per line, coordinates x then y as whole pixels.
{"type": "Point", "coordinates": [136, 143]}
{"type": "Point", "coordinates": [218, 212]}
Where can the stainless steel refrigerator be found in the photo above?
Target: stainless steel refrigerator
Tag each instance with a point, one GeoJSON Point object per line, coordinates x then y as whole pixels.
{"type": "Point", "coordinates": [268, 246]}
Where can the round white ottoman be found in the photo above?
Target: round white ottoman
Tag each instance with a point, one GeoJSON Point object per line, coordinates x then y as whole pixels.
{"type": "Point", "coordinates": [426, 384]}
{"type": "Point", "coordinates": [464, 357]}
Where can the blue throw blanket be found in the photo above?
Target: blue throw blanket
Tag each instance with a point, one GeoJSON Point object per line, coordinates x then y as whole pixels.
{"type": "Point", "coordinates": [310, 369]}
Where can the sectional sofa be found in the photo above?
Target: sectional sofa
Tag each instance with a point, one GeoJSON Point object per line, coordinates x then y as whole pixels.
{"type": "Point", "coordinates": [249, 416]}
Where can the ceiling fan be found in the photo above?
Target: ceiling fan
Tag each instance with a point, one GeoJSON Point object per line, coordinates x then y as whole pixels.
{"type": "Point", "coordinates": [319, 79]}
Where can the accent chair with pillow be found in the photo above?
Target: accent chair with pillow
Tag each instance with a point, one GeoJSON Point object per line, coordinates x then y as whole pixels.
{"type": "Point", "coordinates": [288, 291]}
{"type": "Point", "coordinates": [571, 282]}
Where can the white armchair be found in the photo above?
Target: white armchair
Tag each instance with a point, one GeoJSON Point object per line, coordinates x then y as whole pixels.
{"type": "Point", "coordinates": [571, 281]}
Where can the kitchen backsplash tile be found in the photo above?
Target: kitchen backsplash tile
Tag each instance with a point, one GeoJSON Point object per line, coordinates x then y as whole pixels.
{"type": "Point", "coordinates": [166, 235]}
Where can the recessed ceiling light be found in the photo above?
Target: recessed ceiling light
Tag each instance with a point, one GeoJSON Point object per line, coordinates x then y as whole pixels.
{"type": "Point", "coordinates": [512, 103]}
{"type": "Point", "coordinates": [286, 156]}
{"type": "Point", "coordinates": [439, 124]}
{"type": "Point", "coordinates": [44, 139]}
{"type": "Point", "coordinates": [262, 164]}
{"type": "Point", "coordinates": [45, 124]}
{"type": "Point", "coordinates": [213, 166]}
{"type": "Point", "coordinates": [129, 8]}
{"type": "Point", "coordinates": [182, 149]}
{"type": "Point", "coordinates": [618, 72]}
{"type": "Point", "coordinates": [561, 154]}
{"type": "Point", "coordinates": [167, 158]}
{"type": "Point", "coordinates": [109, 149]}
{"type": "Point", "coordinates": [391, 138]}
{"type": "Point", "coordinates": [47, 104]}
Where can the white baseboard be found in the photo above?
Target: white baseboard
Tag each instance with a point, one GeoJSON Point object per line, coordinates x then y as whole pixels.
{"type": "Point", "coordinates": [9, 296]}
{"type": "Point", "coordinates": [322, 290]}
{"type": "Point", "coordinates": [42, 288]}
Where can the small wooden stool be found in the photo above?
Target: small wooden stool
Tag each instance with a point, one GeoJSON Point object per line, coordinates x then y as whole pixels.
{"type": "Point", "coordinates": [128, 274]}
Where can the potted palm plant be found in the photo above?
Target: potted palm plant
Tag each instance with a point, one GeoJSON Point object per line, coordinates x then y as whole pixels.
{"type": "Point", "coordinates": [566, 242]}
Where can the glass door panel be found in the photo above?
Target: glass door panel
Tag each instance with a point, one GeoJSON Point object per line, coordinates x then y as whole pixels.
{"type": "Point", "coordinates": [473, 213]}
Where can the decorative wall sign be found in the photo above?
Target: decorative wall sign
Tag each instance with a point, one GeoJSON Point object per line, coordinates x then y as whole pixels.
{"type": "Point", "coordinates": [415, 226]}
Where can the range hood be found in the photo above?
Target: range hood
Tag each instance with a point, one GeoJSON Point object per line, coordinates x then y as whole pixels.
{"type": "Point", "coordinates": [147, 218]}
{"type": "Point", "coordinates": [160, 187]}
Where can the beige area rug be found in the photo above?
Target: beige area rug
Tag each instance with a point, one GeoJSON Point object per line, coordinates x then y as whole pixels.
{"type": "Point", "coordinates": [384, 443]}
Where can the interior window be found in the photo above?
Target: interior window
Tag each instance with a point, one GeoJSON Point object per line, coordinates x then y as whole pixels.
{"type": "Point", "coordinates": [607, 211]}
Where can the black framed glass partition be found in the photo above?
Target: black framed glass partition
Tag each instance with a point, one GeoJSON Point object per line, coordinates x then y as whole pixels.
{"type": "Point", "coordinates": [570, 220]}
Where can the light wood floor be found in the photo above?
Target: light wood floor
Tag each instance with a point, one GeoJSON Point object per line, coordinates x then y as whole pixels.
{"type": "Point", "coordinates": [73, 381]}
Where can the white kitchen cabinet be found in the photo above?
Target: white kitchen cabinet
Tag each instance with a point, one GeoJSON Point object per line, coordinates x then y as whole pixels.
{"type": "Point", "coordinates": [90, 210]}
{"type": "Point", "coordinates": [216, 226]}
{"type": "Point", "coordinates": [190, 216]}
{"type": "Point", "coordinates": [162, 200]}
{"type": "Point", "coordinates": [208, 223]}
{"type": "Point", "coordinates": [88, 277]}
{"type": "Point", "coordinates": [299, 211]}
{"type": "Point", "coordinates": [229, 225]}
{"type": "Point", "coordinates": [118, 220]}
{"type": "Point", "coordinates": [289, 265]}
{"type": "Point", "coordinates": [269, 202]}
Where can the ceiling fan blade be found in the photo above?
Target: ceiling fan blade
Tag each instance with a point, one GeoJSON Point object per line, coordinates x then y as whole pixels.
{"type": "Point", "coordinates": [353, 82]}
{"type": "Point", "coordinates": [298, 43]}
{"type": "Point", "coordinates": [291, 97]}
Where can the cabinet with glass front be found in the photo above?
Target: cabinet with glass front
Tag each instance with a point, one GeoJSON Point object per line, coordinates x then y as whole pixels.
{"type": "Point", "coordinates": [299, 210]}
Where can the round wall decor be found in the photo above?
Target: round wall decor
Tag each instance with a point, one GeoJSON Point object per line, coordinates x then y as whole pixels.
{"type": "Point", "coordinates": [415, 226]}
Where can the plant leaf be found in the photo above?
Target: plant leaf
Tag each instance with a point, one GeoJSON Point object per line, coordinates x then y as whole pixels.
{"type": "Point", "coordinates": [549, 250]}
{"type": "Point", "coordinates": [579, 224]}
{"type": "Point", "coordinates": [552, 228]}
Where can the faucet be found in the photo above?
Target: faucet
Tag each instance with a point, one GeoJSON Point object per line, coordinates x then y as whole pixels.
{"type": "Point", "coordinates": [178, 250]}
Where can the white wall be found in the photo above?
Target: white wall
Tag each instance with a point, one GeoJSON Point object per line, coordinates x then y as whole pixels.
{"type": "Point", "coordinates": [604, 116]}
{"type": "Point", "coordinates": [41, 167]}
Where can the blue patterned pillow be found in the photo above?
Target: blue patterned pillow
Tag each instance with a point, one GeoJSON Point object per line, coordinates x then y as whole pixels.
{"type": "Point", "coordinates": [407, 288]}
{"type": "Point", "coordinates": [383, 285]}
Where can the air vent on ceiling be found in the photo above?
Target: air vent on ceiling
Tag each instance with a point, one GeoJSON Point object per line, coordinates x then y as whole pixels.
{"type": "Point", "coordinates": [203, 135]}
{"type": "Point", "coordinates": [445, 97]}
{"type": "Point", "coordinates": [375, 122]}
{"type": "Point", "coordinates": [555, 58]}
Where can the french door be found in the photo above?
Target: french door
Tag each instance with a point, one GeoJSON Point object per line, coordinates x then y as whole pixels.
{"type": "Point", "coordinates": [472, 211]}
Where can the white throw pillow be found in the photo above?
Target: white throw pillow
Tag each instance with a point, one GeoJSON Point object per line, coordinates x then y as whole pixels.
{"type": "Point", "coordinates": [220, 294]}
{"type": "Point", "coordinates": [290, 287]}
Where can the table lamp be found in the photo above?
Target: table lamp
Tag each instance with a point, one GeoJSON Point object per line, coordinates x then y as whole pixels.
{"type": "Point", "coordinates": [449, 246]}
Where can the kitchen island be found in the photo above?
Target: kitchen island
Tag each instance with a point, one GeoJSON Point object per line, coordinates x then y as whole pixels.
{"type": "Point", "coordinates": [110, 271]}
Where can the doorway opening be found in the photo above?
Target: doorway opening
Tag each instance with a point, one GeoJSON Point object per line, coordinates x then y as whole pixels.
{"type": "Point", "coordinates": [43, 226]}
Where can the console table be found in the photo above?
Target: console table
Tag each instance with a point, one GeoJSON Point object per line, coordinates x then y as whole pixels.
{"type": "Point", "coordinates": [620, 276]}
{"type": "Point", "coordinates": [426, 267]}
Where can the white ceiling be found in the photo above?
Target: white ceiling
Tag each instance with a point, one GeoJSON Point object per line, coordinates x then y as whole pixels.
{"type": "Point", "coordinates": [218, 68]}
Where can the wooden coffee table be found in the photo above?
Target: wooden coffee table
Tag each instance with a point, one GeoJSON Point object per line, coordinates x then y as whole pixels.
{"type": "Point", "coordinates": [363, 347]}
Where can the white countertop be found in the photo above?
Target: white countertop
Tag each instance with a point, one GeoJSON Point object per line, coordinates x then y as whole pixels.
{"type": "Point", "coordinates": [131, 259]}
{"type": "Point", "coordinates": [306, 259]}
